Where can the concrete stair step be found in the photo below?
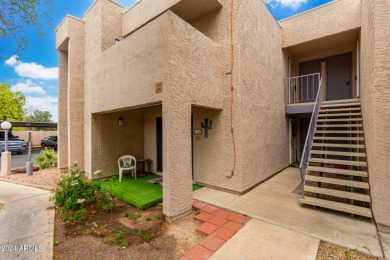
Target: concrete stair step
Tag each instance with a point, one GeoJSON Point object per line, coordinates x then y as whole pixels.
{"type": "Point", "coordinates": [338, 138]}
{"type": "Point", "coordinates": [339, 114]}
{"type": "Point", "coordinates": [339, 132]}
{"type": "Point", "coordinates": [362, 146]}
{"type": "Point", "coordinates": [339, 125]}
{"type": "Point", "coordinates": [338, 171]}
{"type": "Point", "coordinates": [338, 153]}
{"type": "Point", "coordinates": [355, 184]}
{"type": "Point", "coordinates": [339, 109]}
{"type": "Point", "coordinates": [340, 120]}
{"type": "Point", "coordinates": [340, 162]}
{"type": "Point", "coordinates": [338, 193]}
{"type": "Point", "coordinates": [361, 211]}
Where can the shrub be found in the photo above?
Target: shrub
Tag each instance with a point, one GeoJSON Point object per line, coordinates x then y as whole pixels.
{"type": "Point", "coordinates": [46, 158]}
{"type": "Point", "coordinates": [149, 236]}
{"type": "Point", "coordinates": [73, 193]}
{"type": "Point", "coordinates": [104, 200]}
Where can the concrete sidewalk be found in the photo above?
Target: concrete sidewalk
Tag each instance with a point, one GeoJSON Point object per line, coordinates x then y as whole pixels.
{"type": "Point", "coordinates": [26, 222]}
{"type": "Point", "coordinates": [276, 210]}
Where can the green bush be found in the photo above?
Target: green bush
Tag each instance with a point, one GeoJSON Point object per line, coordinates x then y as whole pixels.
{"type": "Point", "coordinates": [46, 158]}
{"type": "Point", "coordinates": [104, 200]}
{"type": "Point", "coordinates": [73, 193]}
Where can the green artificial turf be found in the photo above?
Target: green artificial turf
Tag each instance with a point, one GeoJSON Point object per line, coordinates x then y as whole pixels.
{"type": "Point", "coordinates": [139, 193]}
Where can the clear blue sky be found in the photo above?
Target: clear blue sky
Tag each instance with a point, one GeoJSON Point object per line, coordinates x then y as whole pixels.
{"type": "Point", "coordinates": [35, 72]}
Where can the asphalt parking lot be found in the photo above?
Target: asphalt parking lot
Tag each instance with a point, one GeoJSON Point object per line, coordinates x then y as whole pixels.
{"type": "Point", "coordinates": [19, 160]}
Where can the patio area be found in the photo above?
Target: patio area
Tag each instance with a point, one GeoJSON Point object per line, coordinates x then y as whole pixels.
{"type": "Point", "coordinates": [140, 192]}
{"type": "Point", "coordinates": [274, 203]}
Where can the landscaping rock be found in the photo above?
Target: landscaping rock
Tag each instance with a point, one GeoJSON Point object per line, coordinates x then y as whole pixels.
{"type": "Point", "coordinates": [23, 169]}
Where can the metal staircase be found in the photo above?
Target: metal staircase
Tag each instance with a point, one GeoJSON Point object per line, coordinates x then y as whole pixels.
{"type": "Point", "coordinates": [334, 171]}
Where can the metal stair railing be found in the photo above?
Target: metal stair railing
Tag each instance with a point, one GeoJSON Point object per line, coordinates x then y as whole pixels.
{"type": "Point", "coordinates": [309, 138]}
{"type": "Point", "coordinates": [301, 89]}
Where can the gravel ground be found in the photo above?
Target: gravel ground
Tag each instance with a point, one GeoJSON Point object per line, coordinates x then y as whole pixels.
{"type": "Point", "coordinates": [45, 179]}
{"type": "Point", "coordinates": [329, 251]}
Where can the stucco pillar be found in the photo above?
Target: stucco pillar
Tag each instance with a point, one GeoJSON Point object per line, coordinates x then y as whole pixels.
{"type": "Point", "coordinates": [76, 97]}
{"type": "Point", "coordinates": [5, 164]}
{"type": "Point", "coordinates": [177, 176]}
{"type": "Point", "coordinates": [375, 96]}
{"type": "Point", "coordinates": [63, 111]}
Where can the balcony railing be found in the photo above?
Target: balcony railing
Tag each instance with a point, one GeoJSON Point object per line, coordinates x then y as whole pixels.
{"type": "Point", "coordinates": [302, 89]}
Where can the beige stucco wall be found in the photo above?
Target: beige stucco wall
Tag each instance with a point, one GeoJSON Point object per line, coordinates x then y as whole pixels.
{"type": "Point", "coordinates": [375, 88]}
{"type": "Point", "coordinates": [62, 139]}
{"type": "Point", "coordinates": [114, 141]}
{"type": "Point", "coordinates": [335, 17]}
{"type": "Point", "coordinates": [102, 26]}
{"type": "Point", "coordinates": [71, 90]}
{"type": "Point", "coordinates": [125, 75]}
{"type": "Point", "coordinates": [261, 68]}
{"type": "Point", "coordinates": [37, 136]}
{"type": "Point", "coordinates": [194, 79]}
{"type": "Point", "coordinates": [150, 142]}
{"type": "Point", "coordinates": [142, 12]}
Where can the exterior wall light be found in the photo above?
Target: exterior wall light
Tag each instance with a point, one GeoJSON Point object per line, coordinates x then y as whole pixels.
{"type": "Point", "coordinates": [6, 126]}
{"type": "Point", "coordinates": [117, 40]}
{"type": "Point", "coordinates": [120, 121]}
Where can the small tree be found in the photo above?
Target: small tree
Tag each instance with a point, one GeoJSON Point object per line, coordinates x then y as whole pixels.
{"type": "Point", "coordinates": [11, 103]}
{"type": "Point", "coordinates": [39, 116]}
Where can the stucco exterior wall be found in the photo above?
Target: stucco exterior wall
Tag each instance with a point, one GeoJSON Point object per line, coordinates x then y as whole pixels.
{"type": "Point", "coordinates": [212, 155]}
{"type": "Point", "coordinates": [261, 70]}
{"type": "Point", "coordinates": [76, 93]}
{"type": "Point", "coordinates": [102, 26]}
{"type": "Point", "coordinates": [142, 12]}
{"type": "Point", "coordinates": [150, 140]}
{"type": "Point", "coordinates": [375, 87]}
{"type": "Point", "coordinates": [62, 139]}
{"type": "Point", "coordinates": [193, 80]}
{"type": "Point", "coordinates": [125, 75]}
{"type": "Point", "coordinates": [335, 17]}
{"type": "Point", "coordinates": [115, 141]}
{"type": "Point", "coordinates": [71, 90]}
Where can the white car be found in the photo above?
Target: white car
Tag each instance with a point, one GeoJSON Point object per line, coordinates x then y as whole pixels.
{"type": "Point", "coordinates": [15, 144]}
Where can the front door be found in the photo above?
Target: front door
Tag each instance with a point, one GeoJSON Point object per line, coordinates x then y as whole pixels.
{"type": "Point", "coordinates": [339, 78]}
{"type": "Point", "coordinates": [308, 86]}
{"type": "Point", "coordinates": [159, 145]}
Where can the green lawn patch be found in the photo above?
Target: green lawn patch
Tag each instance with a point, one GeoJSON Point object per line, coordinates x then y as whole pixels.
{"type": "Point", "coordinates": [140, 192]}
{"type": "Point", "coordinates": [196, 187]}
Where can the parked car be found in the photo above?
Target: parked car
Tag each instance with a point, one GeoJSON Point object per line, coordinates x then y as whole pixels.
{"type": "Point", "coordinates": [15, 144]}
{"type": "Point", "coordinates": [49, 141]}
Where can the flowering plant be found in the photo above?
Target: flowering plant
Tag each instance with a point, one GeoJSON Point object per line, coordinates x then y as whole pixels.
{"type": "Point", "coordinates": [73, 193]}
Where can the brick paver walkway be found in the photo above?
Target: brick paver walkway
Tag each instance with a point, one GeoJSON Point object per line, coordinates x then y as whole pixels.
{"type": "Point", "coordinates": [218, 224]}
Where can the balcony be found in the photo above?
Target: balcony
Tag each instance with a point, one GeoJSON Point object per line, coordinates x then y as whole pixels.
{"type": "Point", "coordinates": [167, 52]}
{"type": "Point", "coordinates": [146, 10]}
{"type": "Point", "coordinates": [301, 93]}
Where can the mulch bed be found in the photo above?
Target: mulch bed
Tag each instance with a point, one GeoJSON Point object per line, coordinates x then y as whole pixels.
{"type": "Point", "coordinates": [100, 234]}
{"type": "Point", "coordinates": [329, 251]}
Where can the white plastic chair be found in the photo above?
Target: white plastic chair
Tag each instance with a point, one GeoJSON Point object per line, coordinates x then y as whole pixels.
{"type": "Point", "coordinates": [127, 163]}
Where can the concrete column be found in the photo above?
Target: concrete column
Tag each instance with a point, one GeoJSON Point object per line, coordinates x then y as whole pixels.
{"type": "Point", "coordinates": [5, 164]}
{"type": "Point", "coordinates": [63, 111]}
{"type": "Point", "coordinates": [76, 96]}
{"type": "Point", "coordinates": [177, 175]}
